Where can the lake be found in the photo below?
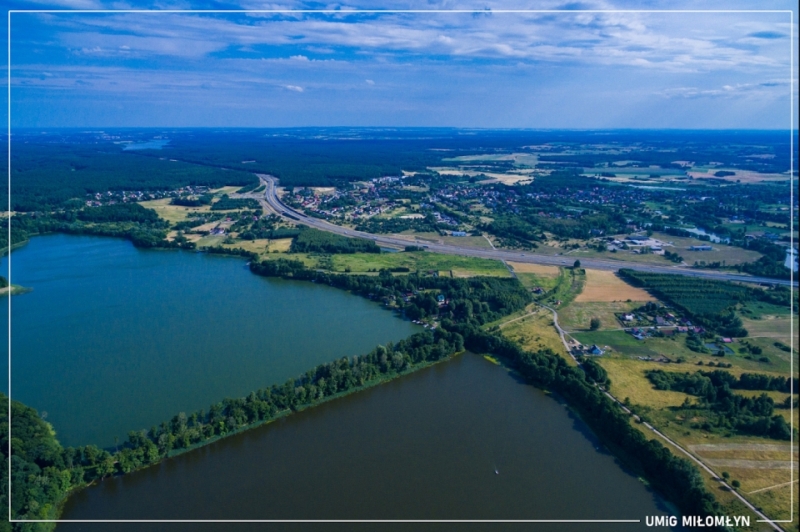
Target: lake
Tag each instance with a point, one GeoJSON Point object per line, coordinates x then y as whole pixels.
{"type": "Point", "coordinates": [460, 440]}
{"type": "Point", "coordinates": [114, 338]}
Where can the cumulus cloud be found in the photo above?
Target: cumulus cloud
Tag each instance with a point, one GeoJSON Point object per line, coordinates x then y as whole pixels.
{"type": "Point", "coordinates": [294, 88]}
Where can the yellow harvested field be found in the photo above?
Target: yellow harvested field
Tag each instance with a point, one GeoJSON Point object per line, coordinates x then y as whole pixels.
{"type": "Point", "coordinates": [606, 286]}
{"type": "Point", "coordinates": [628, 380]}
{"type": "Point", "coordinates": [538, 269]}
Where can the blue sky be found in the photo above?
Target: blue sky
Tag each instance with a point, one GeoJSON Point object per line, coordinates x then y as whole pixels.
{"type": "Point", "coordinates": [568, 69]}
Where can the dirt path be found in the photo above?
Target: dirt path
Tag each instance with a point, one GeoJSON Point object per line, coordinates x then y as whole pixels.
{"type": "Point", "coordinates": [693, 458]}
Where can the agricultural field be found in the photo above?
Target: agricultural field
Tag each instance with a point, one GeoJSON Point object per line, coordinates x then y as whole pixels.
{"type": "Point", "coordinates": [695, 295]}
{"type": "Point", "coordinates": [606, 286]}
{"type": "Point", "coordinates": [778, 327]}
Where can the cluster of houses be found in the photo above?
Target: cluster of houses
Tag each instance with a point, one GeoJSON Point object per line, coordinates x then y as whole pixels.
{"type": "Point", "coordinates": [592, 350]}
{"type": "Point", "coordinates": [663, 324]}
{"type": "Point", "coordinates": [112, 197]}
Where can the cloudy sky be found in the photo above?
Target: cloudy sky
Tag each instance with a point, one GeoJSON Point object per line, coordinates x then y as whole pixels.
{"type": "Point", "coordinates": [568, 68]}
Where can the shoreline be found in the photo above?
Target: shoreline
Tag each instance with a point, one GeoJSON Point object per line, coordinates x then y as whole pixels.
{"type": "Point", "coordinates": [59, 505]}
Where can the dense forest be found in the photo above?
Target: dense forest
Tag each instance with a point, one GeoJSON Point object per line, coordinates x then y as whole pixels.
{"type": "Point", "coordinates": [48, 174]}
{"type": "Point", "coordinates": [141, 226]}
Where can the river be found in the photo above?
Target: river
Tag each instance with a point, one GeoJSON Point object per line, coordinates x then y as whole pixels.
{"type": "Point", "coordinates": [113, 338]}
{"type": "Point", "coordinates": [461, 440]}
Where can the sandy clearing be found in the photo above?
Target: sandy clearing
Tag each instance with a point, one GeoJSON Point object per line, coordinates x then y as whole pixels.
{"type": "Point", "coordinates": [606, 286]}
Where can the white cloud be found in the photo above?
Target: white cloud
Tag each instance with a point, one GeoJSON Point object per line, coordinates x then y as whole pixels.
{"type": "Point", "coordinates": [294, 88]}
{"type": "Point", "coordinates": [369, 82]}
{"type": "Point", "coordinates": [765, 88]}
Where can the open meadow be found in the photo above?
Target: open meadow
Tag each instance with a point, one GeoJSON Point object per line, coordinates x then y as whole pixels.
{"type": "Point", "coordinates": [173, 213]}
{"type": "Point", "coordinates": [535, 331]}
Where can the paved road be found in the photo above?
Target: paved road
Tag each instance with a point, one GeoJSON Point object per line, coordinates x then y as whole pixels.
{"type": "Point", "coordinates": [271, 203]}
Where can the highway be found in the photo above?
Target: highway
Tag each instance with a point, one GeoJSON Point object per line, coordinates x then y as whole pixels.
{"type": "Point", "coordinates": [271, 203]}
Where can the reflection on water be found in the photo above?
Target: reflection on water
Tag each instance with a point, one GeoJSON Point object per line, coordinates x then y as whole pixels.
{"type": "Point", "coordinates": [426, 446]}
{"type": "Point", "coordinates": [114, 338]}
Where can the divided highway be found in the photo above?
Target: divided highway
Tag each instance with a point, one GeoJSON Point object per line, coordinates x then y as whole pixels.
{"type": "Point", "coordinates": [270, 202]}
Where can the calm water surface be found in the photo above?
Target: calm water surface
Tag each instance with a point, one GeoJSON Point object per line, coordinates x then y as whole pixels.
{"type": "Point", "coordinates": [114, 338]}
{"type": "Point", "coordinates": [425, 446]}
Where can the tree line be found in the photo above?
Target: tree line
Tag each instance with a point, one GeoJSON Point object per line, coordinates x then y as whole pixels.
{"type": "Point", "coordinates": [39, 461]}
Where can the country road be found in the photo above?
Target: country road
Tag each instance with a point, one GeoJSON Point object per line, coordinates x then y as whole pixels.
{"type": "Point", "coordinates": [271, 203]}
{"type": "Point", "coordinates": [693, 458]}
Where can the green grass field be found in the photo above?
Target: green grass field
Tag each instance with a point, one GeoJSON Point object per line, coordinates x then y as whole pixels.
{"type": "Point", "coordinates": [173, 213]}
{"type": "Point", "coordinates": [423, 261]}
{"type": "Point", "coordinates": [577, 315]}
{"type": "Point", "coordinates": [470, 241]}
{"type": "Point", "coordinates": [365, 263]}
